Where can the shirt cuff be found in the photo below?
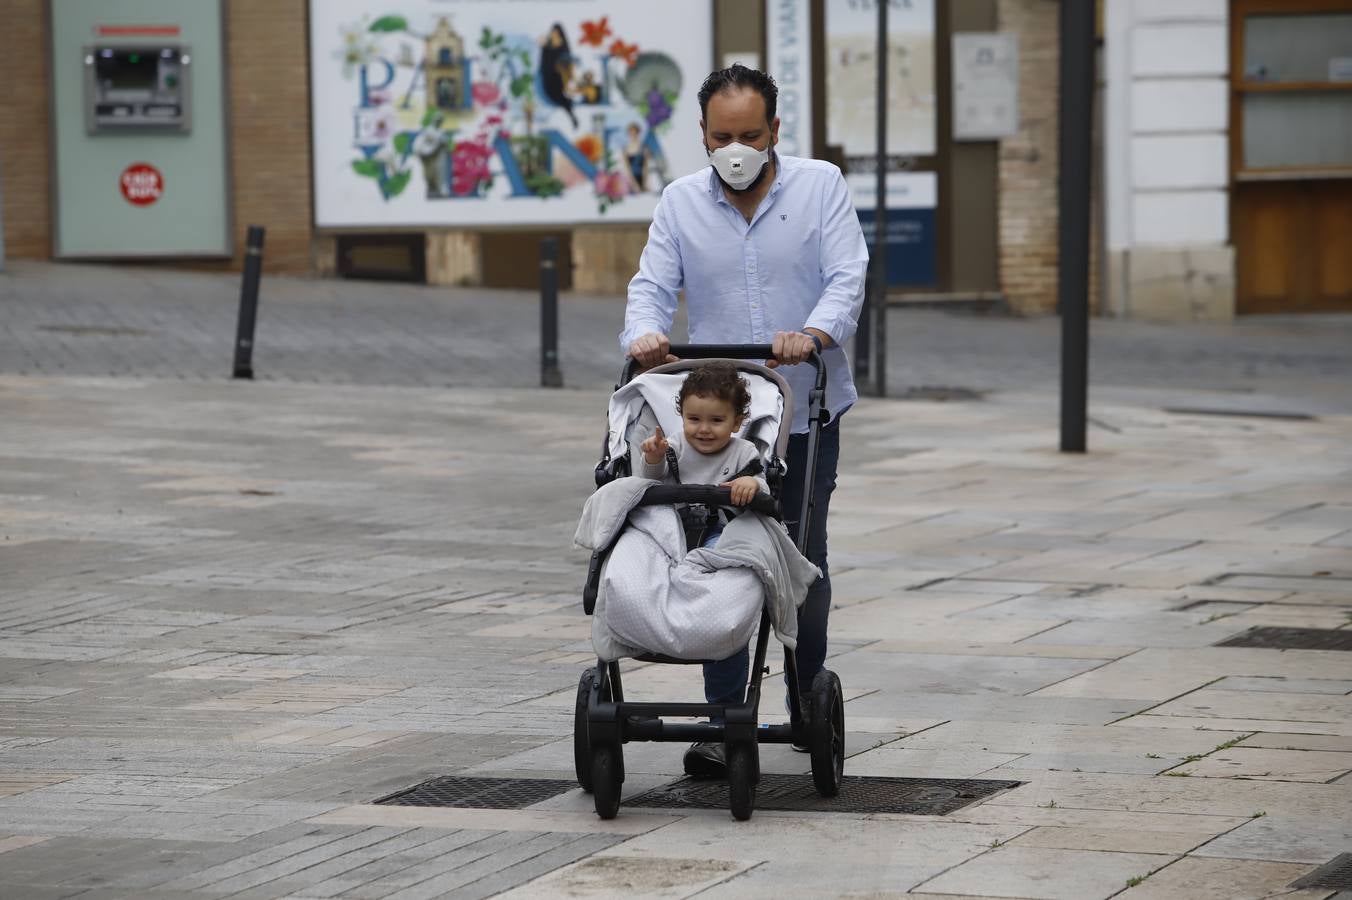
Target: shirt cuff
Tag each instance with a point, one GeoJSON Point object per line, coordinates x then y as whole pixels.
{"type": "Point", "coordinates": [840, 327]}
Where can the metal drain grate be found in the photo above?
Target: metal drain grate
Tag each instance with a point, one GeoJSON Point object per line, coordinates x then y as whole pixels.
{"type": "Point", "coordinates": [941, 393]}
{"type": "Point", "coordinates": [795, 793]}
{"type": "Point", "coordinates": [464, 792]}
{"type": "Point", "coordinates": [1292, 639]}
{"type": "Point", "coordinates": [96, 330]}
{"type": "Point", "coordinates": [1240, 413]}
{"type": "Point", "coordinates": [1336, 873]}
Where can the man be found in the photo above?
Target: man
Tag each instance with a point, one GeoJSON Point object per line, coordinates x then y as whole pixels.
{"type": "Point", "coordinates": [768, 250]}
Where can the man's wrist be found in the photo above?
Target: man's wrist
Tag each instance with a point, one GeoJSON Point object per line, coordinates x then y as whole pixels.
{"type": "Point", "coordinates": [820, 338]}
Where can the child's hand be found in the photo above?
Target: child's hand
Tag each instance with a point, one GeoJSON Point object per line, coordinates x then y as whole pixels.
{"type": "Point", "coordinates": [655, 448]}
{"type": "Point", "coordinates": [743, 489]}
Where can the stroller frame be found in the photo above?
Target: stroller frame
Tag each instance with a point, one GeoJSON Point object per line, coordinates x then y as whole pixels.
{"type": "Point", "coordinates": [604, 721]}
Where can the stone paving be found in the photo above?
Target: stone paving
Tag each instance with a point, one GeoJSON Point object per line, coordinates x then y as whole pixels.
{"type": "Point", "coordinates": [234, 614]}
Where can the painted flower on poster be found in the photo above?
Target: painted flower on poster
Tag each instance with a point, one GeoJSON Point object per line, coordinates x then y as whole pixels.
{"type": "Point", "coordinates": [543, 113]}
{"type": "Point", "coordinates": [594, 33]}
{"type": "Point", "coordinates": [358, 48]}
{"type": "Point", "coordinates": [589, 145]}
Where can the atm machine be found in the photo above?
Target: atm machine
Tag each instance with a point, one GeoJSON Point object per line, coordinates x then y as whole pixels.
{"type": "Point", "coordinates": [139, 129]}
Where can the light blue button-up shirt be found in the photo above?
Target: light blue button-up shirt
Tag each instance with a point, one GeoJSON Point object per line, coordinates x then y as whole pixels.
{"type": "Point", "coordinates": [800, 263]}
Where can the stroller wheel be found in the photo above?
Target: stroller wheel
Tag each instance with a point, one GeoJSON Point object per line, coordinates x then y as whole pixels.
{"type": "Point", "coordinates": [742, 779]}
{"type": "Point", "coordinates": [606, 780]}
{"type": "Point", "coordinates": [826, 733]}
{"type": "Point", "coordinates": [581, 740]}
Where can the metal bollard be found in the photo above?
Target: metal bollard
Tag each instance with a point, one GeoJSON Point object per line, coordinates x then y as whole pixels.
{"type": "Point", "coordinates": [248, 302]}
{"type": "Point", "coordinates": [550, 374]}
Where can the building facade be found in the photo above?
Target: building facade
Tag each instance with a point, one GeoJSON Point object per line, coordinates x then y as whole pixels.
{"type": "Point", "coordinates": [1226, 165]}
{"type": "Point", "coordinates": [1228, 157]}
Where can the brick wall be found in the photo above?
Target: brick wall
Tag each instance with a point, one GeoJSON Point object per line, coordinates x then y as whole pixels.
{"type": "Point", "coordinates": [24, 129]}
{"type": "Point", "coordinates": [1029, 167]}
{"type": "Point", "coordinates": [1028, 162]}
{"type": "Point", "coordinates": [270, 128]}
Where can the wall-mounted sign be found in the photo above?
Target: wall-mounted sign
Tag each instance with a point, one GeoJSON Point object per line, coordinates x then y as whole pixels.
{"type": "Point", "coordinates": [141, 184]}
{"type": "Point", "coordinates": [463, 113]}
{"type": "Point", "coordinates": [852, 77]}
{"type": "Point", "coordinates": [911, 199]}
{"type": "Point", "coordinates": [985, 86]}
{"type": "Point", "coordinates": [788, 45]}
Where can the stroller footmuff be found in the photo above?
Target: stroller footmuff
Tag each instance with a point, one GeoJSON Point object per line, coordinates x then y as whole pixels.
{"type": "Point", "coordinates": [654, 598]}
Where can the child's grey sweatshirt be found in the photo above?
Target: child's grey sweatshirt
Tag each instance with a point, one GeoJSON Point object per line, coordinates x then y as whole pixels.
{"type": "Point", "coordinates": [704, 468]}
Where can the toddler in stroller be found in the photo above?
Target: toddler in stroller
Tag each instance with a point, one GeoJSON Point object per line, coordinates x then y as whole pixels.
{"type": "Point", "coordinates": [655, 600]}
{"type": "Point", "coordinates": [713, 403]}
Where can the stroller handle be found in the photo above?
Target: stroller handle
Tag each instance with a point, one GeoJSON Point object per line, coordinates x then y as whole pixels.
{"type": "Point", "coordinates": [709, 495]}
{"type": "Point", "coordinates": [726, 351]}
{"type": "Point", "coordinates": [733, 351]}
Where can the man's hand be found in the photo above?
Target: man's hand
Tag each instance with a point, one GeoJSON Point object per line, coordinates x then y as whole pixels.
{"type": "Point", "coordinates": [655, 448]}
{"type": "Point", "coordinates": [743, 489]}
{"type": "Point", "coordinates": [793, 347]}
{"type": "Point", "coordinates": [651, 349]}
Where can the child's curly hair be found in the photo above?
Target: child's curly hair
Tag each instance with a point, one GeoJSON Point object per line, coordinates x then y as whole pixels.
{"type": "Point", "coordinates": [719, 380]}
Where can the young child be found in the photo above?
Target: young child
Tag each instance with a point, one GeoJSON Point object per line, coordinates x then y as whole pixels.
{"type": "Point", "coordinates": [713, 402]}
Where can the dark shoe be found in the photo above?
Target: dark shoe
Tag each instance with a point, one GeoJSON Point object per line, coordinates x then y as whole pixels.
{"type": "Point", "coordinates": [800, 748]}
{"type": "Point", "coordinates": [705, 760]}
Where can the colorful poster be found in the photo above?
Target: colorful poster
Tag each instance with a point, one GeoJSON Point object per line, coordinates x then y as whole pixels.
{"type": "Point", "coordinates": [531, 112]}
{"type": "Point", "coordinates": [852, 77]}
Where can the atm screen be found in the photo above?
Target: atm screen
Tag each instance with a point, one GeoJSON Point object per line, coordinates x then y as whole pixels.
{"type": "Point", "coordinates": [127, 70]}
{"type": "Point", "coordinates": [137, 86]}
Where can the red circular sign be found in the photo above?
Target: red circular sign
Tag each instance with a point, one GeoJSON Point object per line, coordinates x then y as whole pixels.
{"type": "Point", "coordinates": [142, 184]}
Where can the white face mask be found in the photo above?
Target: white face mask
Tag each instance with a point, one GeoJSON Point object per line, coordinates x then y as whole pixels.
{"type": "Point", "coordinates": [738, 164]}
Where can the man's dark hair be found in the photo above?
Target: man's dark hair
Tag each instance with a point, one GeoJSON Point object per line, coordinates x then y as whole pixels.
{"type": "Point", "coordinates": [720, 381]}
{"type": "Point", "coordinates": [739, 76]}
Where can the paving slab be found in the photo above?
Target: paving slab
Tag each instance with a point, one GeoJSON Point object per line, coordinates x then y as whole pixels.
{"type": "Point", "coordinates": [892, 854]}
{"type": "Point", "coordinates": [1320, 766]}
{"type": "Point", "coordinates": [608, 876]}
{"type": "Point", "coordinates": [1058, 837]}
{"type": "Point", "coordinates": [1211, 879]}
{"type": "Point", "coordinates": [1286, 835]}
{"type": "Point", "coordinates": [1019, 871]}
{"type": "Point", "coordinates": [1288, 741]}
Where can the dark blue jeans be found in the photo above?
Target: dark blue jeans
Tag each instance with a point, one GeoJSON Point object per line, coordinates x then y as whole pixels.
{"type": "Point", "coordinates": [725, 680]}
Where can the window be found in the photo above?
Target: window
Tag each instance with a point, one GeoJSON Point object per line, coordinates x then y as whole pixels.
{"type": "Point", "coordinates": [1292, 84]}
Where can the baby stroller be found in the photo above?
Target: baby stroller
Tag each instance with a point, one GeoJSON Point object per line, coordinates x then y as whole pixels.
{"type": "Point", "coordinates": [604, 721]}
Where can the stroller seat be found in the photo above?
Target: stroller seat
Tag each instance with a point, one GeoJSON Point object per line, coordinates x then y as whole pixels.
{"type": "Point", "coordinates": [603, 720]}
{"type": "Point", "coordinates": [662, 599]}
